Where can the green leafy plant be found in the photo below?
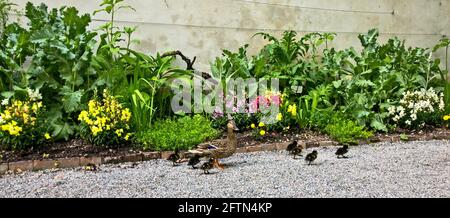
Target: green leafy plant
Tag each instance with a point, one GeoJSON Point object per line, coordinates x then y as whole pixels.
{"type": "Point", "coordinates": [404, 137]}
{"type": "Point", "coordinates": [158, 76]}
{"type": "Point", "coordinates": [294, 62]}
{"type": "Point", "coordinates": [60, 48]}
{"type": "Point", "coordinates": [243, 121]}
{"type": "Point", "coordinates": [142, 80]}
{"type": "Point", "coordinates": [377, 78]}
{"type": "Point", "coordinates": [362, 84]}
{"type": "Point", "coordinates": [6, 7]}
{"type": "Point", "coordinates": [182, 133]}
{"type": "Point", "coordinates": [347, 131]}
{"type": "Point", "coordinates": [112, 35]}
{"type": "Point", "coordinates": [445, 43]}
{"type": "Point", "coordinates": [310, 104]}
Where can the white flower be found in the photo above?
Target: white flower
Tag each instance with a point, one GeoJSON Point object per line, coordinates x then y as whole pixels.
{"type": "Point", "coordinates": [421, 101]}
{"type": "Point", "coordinates": [5, 102]}
{"type": "Point", "coordinates": [34, 95]}
{"type": "Point", "coordinates": [391, 110]}
{"type": "Point", "coordinates": [396, 118]}
{"type": "Point", "coordinates": [401, 111]}
{"type": "Point", "coordinates": [441, 104]}
{"type": "Point", "coordinates": [413, 117]}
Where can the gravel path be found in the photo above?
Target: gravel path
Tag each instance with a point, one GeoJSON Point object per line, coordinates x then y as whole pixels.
{"type": "Point", "coordinates": [413, 169]}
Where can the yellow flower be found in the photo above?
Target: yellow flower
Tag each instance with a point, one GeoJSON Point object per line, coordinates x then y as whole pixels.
{"type": "Point", "coordinates": [5, 127]}
{"type": "Point", "coordinates": [261, 124]}
{"type": "Point", "coordinates": [47, 136]}
{"type": "Point", "coordinates": [83, 116]}
{"type": "Point", "coordinates": [92, 104]}
{"type": "Point", "coordinates": [102, 121]}
{"type": "Point", "coordinates": [447, 117]}
{"type": "Point", "coordinates": [25, 117]}
{"type": "Point", "coordinates": [262, 132]}
{"type": "Point", "coordinates": [127, 136]}
{"type": "Point", "coordinates": [18, 103]}
{"type": "Point", "coordinates": [26, 109]}
{"type": "Point", "coordinates": [253, 126]}
{"type": "Point", "coordinates": [7, 115]}
{"type": "Point", "coordinates": [12, 128]}
{"type": "Point", "coordinates": [95, 130]}
{"type": "Point", "coordinates": [279, 117]}
{"type": "Point", "coordinates": [15, 131]}
{"type": "Point", "coordinates": [89, 121]}
{"type": "Point", "coordinates": [126, 115]}
{"type": "Point", "coordinates": [34, 107]}
{"type": "Point", "coordinates": [292, 109]}
{"type": "Point", "coordinates": [119, 132]}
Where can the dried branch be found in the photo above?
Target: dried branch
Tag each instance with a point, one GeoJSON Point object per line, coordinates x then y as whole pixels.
{"type": "Point", "coordinates": [188, 61]}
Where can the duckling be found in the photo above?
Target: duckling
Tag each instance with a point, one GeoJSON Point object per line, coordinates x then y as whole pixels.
{"type": "Point", "coordinates": [194, 161]}
{"type": "Point", "coordinates": [297, 151]}
{"type": "Point", "coordinates": [208, 165]}
{"type": "Point", "coordinates": [311, 157]}
{"type": "Point", "coordinates": [174, 157]}
{"type": "Point", "coordinates": [291, 147]}
{"type": "Point", "coordinates": [90, 167]}
{"type": "Point", "coordinates": [341, 151]}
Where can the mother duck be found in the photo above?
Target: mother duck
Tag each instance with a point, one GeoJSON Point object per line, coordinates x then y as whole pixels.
{"type": "Point", "coordinates": [220, 148]}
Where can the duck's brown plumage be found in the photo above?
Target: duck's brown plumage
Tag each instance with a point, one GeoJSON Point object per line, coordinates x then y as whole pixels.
{"type": "Point", "coordinates": [221, 148]}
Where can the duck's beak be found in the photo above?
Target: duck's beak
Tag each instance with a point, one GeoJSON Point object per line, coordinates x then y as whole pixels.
{"type": "Point", "coordinates": [236, 129]}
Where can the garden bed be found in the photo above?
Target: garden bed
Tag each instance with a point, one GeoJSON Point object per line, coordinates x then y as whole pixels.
{"type": "Point", "coordinates": [81, 149]}
{"type": "Point", "coordinates": [110, 95]}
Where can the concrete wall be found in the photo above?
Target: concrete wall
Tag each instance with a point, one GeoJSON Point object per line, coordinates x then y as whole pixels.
{"type": "Point", "coordinates": [203, 27]}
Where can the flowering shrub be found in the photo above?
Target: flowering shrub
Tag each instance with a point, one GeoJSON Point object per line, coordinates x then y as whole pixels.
{"type": "Point", "coordinates": [105, 122]}
{"type": "Point", "coordinates": [259, 130]}
{"type": "Point", "coordinates": [234, 106]}
{"type": "Point", "coordinates": [287, 117]}
{"type": "Point", "coordinates": [262, 104]}
{"type": "Point", "coordinates": [418, 108]}
{"type": "Point", "coordinates": [244, 116]}
{"type": "Point", "coordinates": [22, 125]}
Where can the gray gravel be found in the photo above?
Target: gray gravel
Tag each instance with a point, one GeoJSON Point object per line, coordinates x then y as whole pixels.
{"type": "Point", "coordinates": [413, 169]}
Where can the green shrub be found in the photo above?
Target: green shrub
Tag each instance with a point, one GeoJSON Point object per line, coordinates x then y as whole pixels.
{"type": "Point", "coordinates": [183, 133]}
{"type": "Point", "coordinates": [59, 48]}
{"type": "Point", "coordinates": [362, 84]}
{"type": "Point", "coordinates": [243, 121]}
{"type": "Point", "coordinates": [346, 131]}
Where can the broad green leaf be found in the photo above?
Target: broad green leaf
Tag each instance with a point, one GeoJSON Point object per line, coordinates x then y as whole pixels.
{"type": "Point", "coordinates": [71, 100]}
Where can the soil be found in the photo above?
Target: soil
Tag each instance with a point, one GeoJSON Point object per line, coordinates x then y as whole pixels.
{"type": "Point", "coordinates": [79, 148]}
{"type": "Point", "coordinates": [248, 139]}
{"type": "Point", "coordinates": [72, 148]}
